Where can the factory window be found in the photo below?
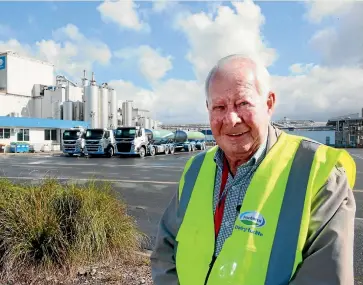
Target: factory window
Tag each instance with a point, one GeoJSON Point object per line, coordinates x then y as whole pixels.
{"type": "Point", "coordinates": [50, 135]}
{"type": "Point", "coordinates": [23, 135]}
{"type": "Point", "coordinates": [4, 133]}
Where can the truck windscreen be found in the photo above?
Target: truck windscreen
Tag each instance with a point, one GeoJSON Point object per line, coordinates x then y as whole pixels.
{"type": "Point", "coordinates": [94, 134]}
{"type": "Point", "coordinates": [125, 133]}
{"type": "Point", "coordinates": [71, 135]}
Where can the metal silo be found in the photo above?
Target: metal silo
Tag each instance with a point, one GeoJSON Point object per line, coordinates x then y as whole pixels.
{"type": "Point", "coordinates": [113, 108]}
{"type": "Point", "coordinates": [104, 106]}
{"type": "Point", "coordinates": [147, 123]}
{"type": "Point", "coordinates": [56, 110]}
{"type": "Point", "coordinates": [127, 113]}
{"type": "Point", "coordinates": [92, 104]}
{"type": "Point", "coordinates": [68, 110]}
{"type": "Point", "coordinates": [78, 111]}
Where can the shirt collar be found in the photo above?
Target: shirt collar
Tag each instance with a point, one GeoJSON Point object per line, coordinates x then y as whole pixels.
{"type": "Point", "coordinates": [259, 154]}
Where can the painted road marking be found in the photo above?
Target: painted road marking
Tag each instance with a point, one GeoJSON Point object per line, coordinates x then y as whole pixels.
{"type": "Point", "coordinates": [356, 155]}
{"type": "Point", "coordinates": [96, 179]}
{"type": "Point", "coordinates": [360, 191]}
{"type": "Point", "coordinates": [359, 219]}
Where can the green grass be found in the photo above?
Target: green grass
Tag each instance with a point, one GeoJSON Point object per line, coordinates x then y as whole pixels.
{"type": "Point", "coordinates": [53, 225]}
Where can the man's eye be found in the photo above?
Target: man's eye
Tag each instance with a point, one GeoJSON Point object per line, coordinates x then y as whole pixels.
{"type": "Point", "coordinates": [244, 103]}
{"type": "Point", "coordinates": [218, 108]}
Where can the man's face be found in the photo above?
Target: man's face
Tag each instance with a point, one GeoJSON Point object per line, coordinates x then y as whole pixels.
{"type": "Point", "coordinates": [238, 114]}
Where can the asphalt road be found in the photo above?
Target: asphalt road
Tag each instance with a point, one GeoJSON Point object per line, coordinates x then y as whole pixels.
{"type": "Point", "coordinates": [147, 185]}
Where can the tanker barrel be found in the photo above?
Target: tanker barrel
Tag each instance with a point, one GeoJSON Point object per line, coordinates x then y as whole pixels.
{"type": "Point", "coordinates": [161, 136]}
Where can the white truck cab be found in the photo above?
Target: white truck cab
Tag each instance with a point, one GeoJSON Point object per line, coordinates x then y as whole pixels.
{"type": "Point", "coordinates": [131, 140]}
{"type": "Point", "coordinates": [99, 142]}
{"type": "Point", "coordinates": [73, 141]}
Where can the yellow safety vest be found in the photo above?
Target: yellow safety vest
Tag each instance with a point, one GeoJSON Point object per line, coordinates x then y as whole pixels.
{"type": "Point", "coordinates": [270, 232]}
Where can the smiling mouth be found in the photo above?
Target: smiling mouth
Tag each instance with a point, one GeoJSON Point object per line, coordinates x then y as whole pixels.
{"type": "Point", "coordinates": [236, 134]}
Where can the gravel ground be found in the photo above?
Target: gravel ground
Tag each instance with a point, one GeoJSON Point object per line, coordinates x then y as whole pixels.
{"type": "Point", "coordinates": [136, 271]}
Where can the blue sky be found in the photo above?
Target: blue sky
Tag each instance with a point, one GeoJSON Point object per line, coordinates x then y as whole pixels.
{"type": "Point", "coordinates": [286, 30]}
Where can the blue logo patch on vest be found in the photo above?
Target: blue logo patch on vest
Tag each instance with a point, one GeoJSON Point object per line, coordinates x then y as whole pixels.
{"type": "Point", "coordinates": [252, 218]}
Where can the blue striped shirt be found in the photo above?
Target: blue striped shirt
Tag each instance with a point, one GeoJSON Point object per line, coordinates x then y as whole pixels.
{"type": "Point", "coordinates": [237, 187]}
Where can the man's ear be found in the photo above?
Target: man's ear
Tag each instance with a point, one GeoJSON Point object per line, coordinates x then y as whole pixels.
{"type": "Point", "coordinates": [271, 100]}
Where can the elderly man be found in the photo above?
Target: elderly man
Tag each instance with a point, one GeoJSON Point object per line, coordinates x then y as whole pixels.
{"type": "Point", "coordinates": [263, 206]}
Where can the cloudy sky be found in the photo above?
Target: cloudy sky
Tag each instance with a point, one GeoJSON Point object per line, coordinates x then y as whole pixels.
{"type": "Point", "coordinates": [158, 53]}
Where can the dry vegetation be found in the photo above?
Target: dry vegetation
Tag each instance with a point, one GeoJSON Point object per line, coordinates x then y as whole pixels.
{"type": "Point", "coordinates": [50, 232]}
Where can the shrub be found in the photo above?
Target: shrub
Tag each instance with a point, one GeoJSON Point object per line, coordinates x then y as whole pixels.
{"type": "Point", "coordinates": [53, 225]}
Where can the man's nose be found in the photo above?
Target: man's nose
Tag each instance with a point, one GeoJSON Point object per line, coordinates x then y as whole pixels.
{"type": "Point", "coordinates": [232, 118]}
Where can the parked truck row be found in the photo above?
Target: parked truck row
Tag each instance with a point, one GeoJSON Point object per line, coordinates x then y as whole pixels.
{"type": "Point", "coordinates": [129, 141]}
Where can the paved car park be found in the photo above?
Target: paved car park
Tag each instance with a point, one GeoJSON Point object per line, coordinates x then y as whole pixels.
{"type": "Point", "coordinates": [147, 184]}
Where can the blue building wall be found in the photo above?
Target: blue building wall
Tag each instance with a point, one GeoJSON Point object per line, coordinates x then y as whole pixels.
{"type": "Point", "coordinates": [23, 122]}
{"type": "Point", "coordinates": [319, 136]}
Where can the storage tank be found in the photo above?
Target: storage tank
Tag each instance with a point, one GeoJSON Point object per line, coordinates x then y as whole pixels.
{"type": "Point", "coordinates": [68, 110]}
{"type": "Point", "coordinates": [127, 113]}
{"type": "Point", "coordinates": [182, 136]}
{"type": "Point", "coordinates": [78, 111]}
{"type": "Point", "coordinates": [104, 106]}
{"type": "Point", "coordinates": [92, 104]}
{"type": "Point", "coordinates": [159, 135]}
{"type": "Point", "coordinates": [151, 123]}
{"type": "Point", "coordinates": [113, 108]}
{"type": "Point", "coordinates": [147, 123]}
{"type": "Point", "coordinates": [56, 110]}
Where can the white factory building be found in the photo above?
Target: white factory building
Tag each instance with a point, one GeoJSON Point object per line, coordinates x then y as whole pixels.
{"type": "Point", "coordinates": [30, 88]}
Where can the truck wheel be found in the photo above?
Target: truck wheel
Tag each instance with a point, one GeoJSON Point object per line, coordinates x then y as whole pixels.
{"type": "Point", "coordinates": [172, 150]}
{"type": "Point", "coordinates": [110, 152]}
{"type": "Point", "coordinates": [142, 152]}
{"type": "Point", "coordinates": [152, 151]}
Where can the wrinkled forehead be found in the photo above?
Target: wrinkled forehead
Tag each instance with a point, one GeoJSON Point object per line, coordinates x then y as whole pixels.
{"type": "Point", "coordinates": [232, 80]}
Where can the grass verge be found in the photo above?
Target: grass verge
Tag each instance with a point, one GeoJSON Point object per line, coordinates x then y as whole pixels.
{"type": "Point", "coordinates": [53, 226]}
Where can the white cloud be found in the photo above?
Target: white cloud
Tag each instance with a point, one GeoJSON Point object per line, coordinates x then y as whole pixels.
{"type": "Point", "coordinates": [300, 68]}
{"type": "Point", "coordinates": [319, 9]}
{"type": "Point", "coordinates": [342, 44]}
{"type": "Point", "coordinates": [319, 94]}
{"type": "Point", "coordinates": [173, 101]}
{"type": "Point", "coordinates": [230, 31]}
{"type": "Point", "coordinates": [124, 13]}
{"type": "Point", "coordinates": [151, 63]}
{"type": "Point", "coordinates": [16, 46]}
{"type": "Point", "coordinates": [162, 5]}
{"type": "Point", "coordinates": [69, 50]}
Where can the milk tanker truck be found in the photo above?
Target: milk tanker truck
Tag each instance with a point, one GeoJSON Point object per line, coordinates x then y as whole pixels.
{"type": "Point", "coordinates": [189, 140]}
{"type": "Point", "coordinates": [140, 141]}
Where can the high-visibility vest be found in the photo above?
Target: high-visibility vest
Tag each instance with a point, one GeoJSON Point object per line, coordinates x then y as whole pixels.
{"type": "Point", "coordinates": [271, 229]}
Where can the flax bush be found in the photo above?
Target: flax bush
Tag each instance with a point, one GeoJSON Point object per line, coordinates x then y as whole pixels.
{"type": "Point", "coordinates": [55, 225]}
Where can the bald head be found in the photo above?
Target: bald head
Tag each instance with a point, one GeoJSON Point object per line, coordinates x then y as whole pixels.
{"type": "Point", "coordinates": [239, 66]}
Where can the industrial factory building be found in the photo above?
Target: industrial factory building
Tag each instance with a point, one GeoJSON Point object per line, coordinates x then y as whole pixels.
{"type": "Point", "coordinates": [29, 88]}
{"type": "Point", "coordinates": [348, 130]}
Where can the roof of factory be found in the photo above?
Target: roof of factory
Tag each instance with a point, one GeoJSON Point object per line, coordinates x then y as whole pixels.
{"type": "Point", "coordinates": [24, 122]}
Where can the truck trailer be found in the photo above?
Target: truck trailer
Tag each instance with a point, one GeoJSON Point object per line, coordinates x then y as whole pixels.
{"type": "Point", "coordinates": [189, 140]}
{"type": "Point", "coordinates": [73, 141]}
{"type": "Point", "coordinates": [140, 141]}
{"type": "Point", "coordinates": [99, 142]}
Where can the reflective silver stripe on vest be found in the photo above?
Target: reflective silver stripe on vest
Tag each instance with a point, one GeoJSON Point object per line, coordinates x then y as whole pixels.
{"type": "Point", "coordinates": [283, 252]}
{"type": "Point", "coordinates": [189, 181]}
